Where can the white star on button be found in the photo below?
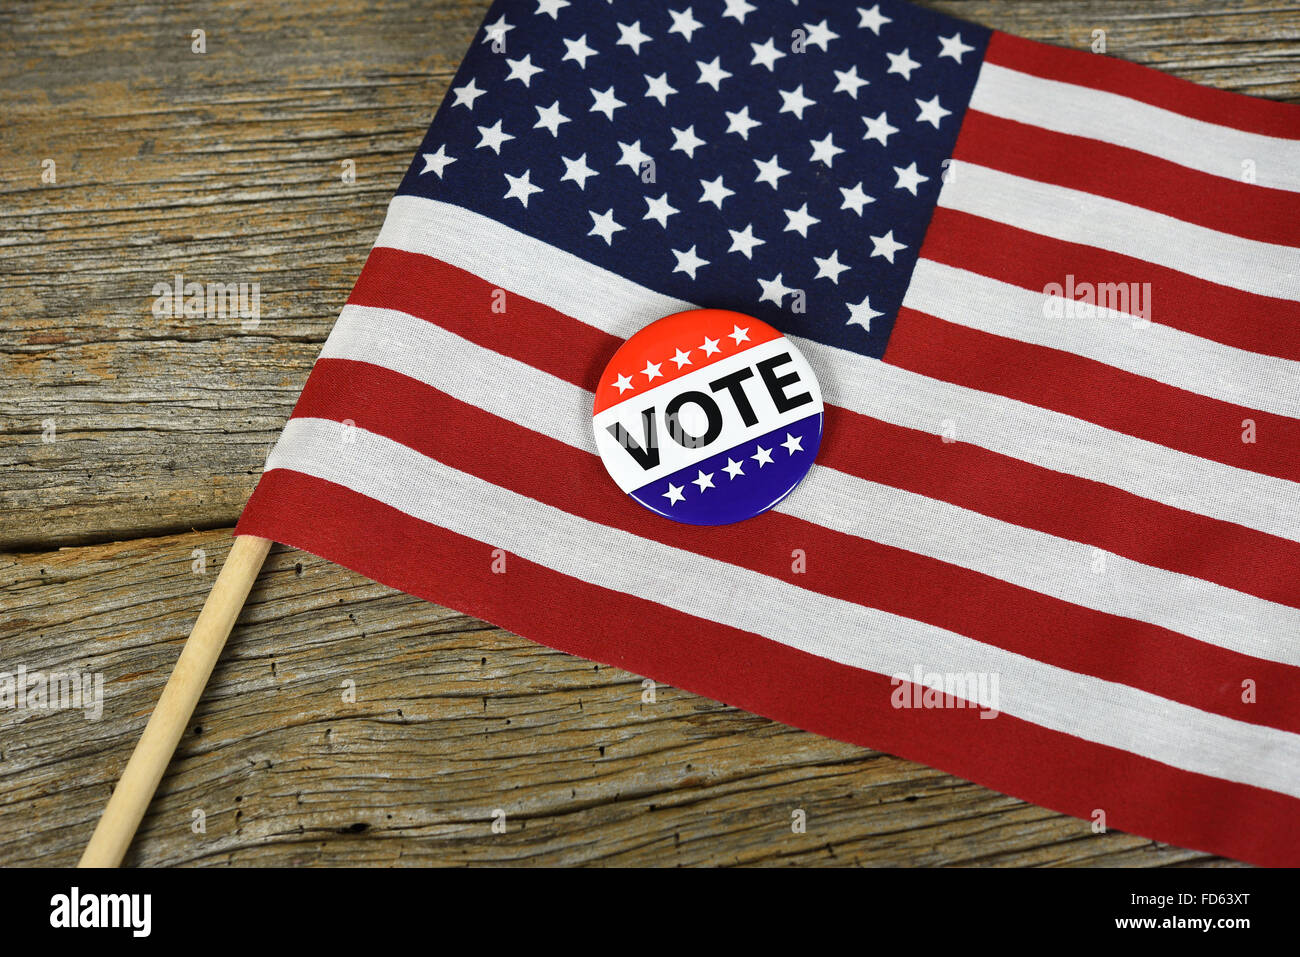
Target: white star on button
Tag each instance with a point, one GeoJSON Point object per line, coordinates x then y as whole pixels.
{"type": "Point", "coordinates": [792, 443]}
{"type": "Point", "coordinates": [702, 480]}
{"type": "Point", "coordinates": [763, 457]}
{"type": "Point", "coordinates": [739, 334]}
{"type": "Point", "coordinates": [683, 358]}
{"type": "Point", "coordinates": [733, 468]}
{"type": "Point", "coordinates": [710, 346]}
{"type": "Point", "coordinates": [651, 370]}
{"type": "Point", "coordinates": [623, 383]}
{"type": "Point", "coordinates": [674, 493]}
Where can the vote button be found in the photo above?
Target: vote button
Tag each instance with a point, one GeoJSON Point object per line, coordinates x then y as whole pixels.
{"type": "Point", "coordinates": [708, 417]}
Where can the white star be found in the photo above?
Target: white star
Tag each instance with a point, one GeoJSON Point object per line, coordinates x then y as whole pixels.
{"type": "Point", "coordinates": [739, 334]}
{"type": "Point", "coordinates": [493, 136]}
{"type": "Point", "coordinates": [710, 346]}
{"type": "Point", "coordinates": [873, 19]}
{"type": "Point", "coordinates": [674, 493]}
{"type": "Point", "coordinates": [885, 246]}
{"type": "Point", "coordinates": [605, 102]}
{"type": "Point", "coordinates": [577, 170]}
{"type": "Point", "coordinates": [632, 156]}
{"type": "Point", "coordinates": [830, 267]}
{"type": "Point", "coordinates": [686, 141]}
{"type": "Point", "coordinates": [497, 31]}
{"type": "Point", "coordinates": [651, 370]}
{"type": "Point", "coordinates": [523, 70]}
{"type": "Point", "coordinates": [467, 94]}
{"type": "Point", "coordinates": [855, 198]}
{"type": "Point", "coordinates": [703, 481]}
{"type": "Point", "coordinates": [738, 9]}
{"type": "Point", "coordinates": [793, 444]}
{"type": "Point", "coordinates": [437, 162]}
{"type": "Point", "coordinates": [770, 171]}
{"type": "Point", "coordinates": [824, 150]}
{"type": "Point", "coordinates": [819, 35]}
{"type": "Point", "coordinates": [764, 456]}
{"type": "Point", "coordinates": [798, 220]}
{"type": "Point", "coordinates": [739, 122]}
{"type": "Point", "coordinates": [848, 82]}
{"type": "Point", "coordinates": [657, 87]}
{"type": "Point", "coordinates": [683, 358]}
{"type": "Point", "coordinates": [623, 383]}
{"type": "Point", "coordinates": [659, 210]}
{"type": "Point", "coordinates": [862, 314]}
{"type": "Point", "coordinates": [953, 47]}
{"type": "Point", "coordinates": [684, 23]}
{"type": "Point", "coordinates": [521, 188]}
{"type": "Point", "coordinates": [578, 51]}
{"type": "Point", "coordinates": [902, 64]}
{"type": "Point", "coordinates": [551, 7]}
{"type": "Point", "coordinates": [688, 262]}
{"type": "Point", "coordinates": [550, 118]}
{"type": "Point", "coordinates": [774, 290]}
{"type": "Point", "coordinates": [909, 178]}
{"type": "Point", "coordinates": [715, 192]}
{"type": "Point", "coordinates": [878, 129]}
{"type": "Point", "coordinates": [711, 73]}
{"type": "Point", "coordinates": [744, 241]}
{"type": "Point", "coordinates": [766, 54]}
{"type": "Point", "coordinates": [733, 468]}
{"type": "Point", "coordinates": [631, 36]}
{"type": "Point", "coordinates": [794, 101]}
{"type": "Point", "coordinates": [931, 111]}
{"type": "Point", "coordinates": [605, 227]}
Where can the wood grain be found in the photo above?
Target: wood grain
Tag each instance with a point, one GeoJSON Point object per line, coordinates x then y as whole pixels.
{"type": "Point", "coordinates": [226, 166]}
{"type": "Point", "coordinates": [452, 720]}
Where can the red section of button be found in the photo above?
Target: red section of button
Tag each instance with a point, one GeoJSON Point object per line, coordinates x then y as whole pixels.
{"type": "Point", "coordinates": [675, 346]}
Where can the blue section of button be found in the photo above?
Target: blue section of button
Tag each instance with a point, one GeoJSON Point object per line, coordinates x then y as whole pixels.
{"type": "Point", "coordinates": [766, 470]}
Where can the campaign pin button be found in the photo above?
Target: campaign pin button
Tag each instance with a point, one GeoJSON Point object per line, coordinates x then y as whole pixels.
{"type": "Point", "coordinates": [708, 417]}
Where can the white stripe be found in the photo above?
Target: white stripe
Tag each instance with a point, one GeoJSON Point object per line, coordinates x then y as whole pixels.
{"type": "Point", "coordinates": [1121, 121]}
{"type": "Point", "coordinates": [1150, 349]}
{"type": "Point", "coordinates": [1101, 711]}
{"type": "Point", "coordinates": [598, 297]}
{"type": "Point", "coordinates": [1030, 559]}
{"type": "Point", "coordinates": [1074, 216]}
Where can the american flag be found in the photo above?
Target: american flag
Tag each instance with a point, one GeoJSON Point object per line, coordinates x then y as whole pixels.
{"type": "Point", "coordinates": [1053, 302]}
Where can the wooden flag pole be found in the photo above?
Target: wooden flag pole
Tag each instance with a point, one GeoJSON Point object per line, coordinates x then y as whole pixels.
{"type": "Point", "coordinates": [131, 797]}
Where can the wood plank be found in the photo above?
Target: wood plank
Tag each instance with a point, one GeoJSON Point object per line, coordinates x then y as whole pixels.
{"type": "Point", "coordinates": [452, 719]}
{"type": "Point", "coordinates": [225, 167]}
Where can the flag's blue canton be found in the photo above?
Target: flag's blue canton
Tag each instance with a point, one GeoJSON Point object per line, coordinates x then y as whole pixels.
{"type": "Point", "coordinates": [777, 159]}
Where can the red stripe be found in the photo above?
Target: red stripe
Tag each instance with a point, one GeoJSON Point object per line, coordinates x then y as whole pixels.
{"type": "Point", "coordinates": [903, 583]}
{"type": "Point", "coordinates": [1239, 319]}
{"type": "Point", "coordinates": [999, 486]}
{"type": "Point", "coordinates": [1251, 114]}
{"type": "Point", "coordinates": [1096, 392]}
{"type": "Point", "coordinates": [1130, 176]}
{"type": "Point", "coordinates": [1058, 771]}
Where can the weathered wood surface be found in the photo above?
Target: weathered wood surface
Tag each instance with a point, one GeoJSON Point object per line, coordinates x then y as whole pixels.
{"type": "Point", "coordinates": [452, 720]}
{"type": "Point", "coordinates": [226, 167]}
